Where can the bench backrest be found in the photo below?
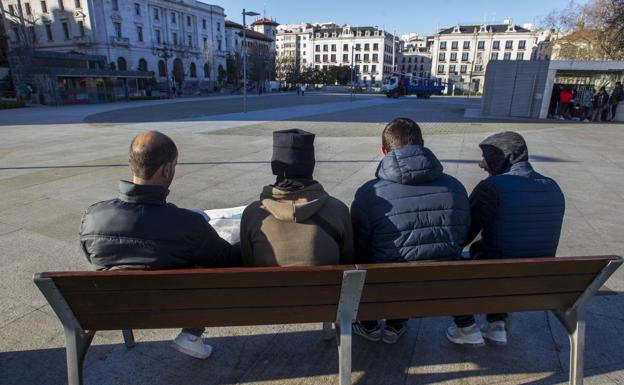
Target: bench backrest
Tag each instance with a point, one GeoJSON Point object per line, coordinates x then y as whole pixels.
{"type": "Point", "coordinates": [115, 300]}
{"type": "Point", "coordinates": [468, 287]}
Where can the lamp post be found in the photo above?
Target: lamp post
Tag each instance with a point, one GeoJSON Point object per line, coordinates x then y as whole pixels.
{"type": "Point", "coordinates": [165, 53]}
{"type": "Point", "coordinates": [245, 13]}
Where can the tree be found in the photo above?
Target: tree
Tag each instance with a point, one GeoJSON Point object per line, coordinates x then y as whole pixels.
{"type": "Point", "coordinates": [232, 75]}
{"type": "Point", "coordinates": [221, 76]}
{"type": "Point", "coordinates": [286, 70]}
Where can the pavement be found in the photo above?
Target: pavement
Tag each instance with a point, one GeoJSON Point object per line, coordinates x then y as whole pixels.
{"type": "Point", "coordinates": [54, 162]}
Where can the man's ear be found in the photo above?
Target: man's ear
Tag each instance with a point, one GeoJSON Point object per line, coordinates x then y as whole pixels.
{"type": "Point", "coordinates": [383, 150]}
{"type": "Point", "coordinates": [166, 170]}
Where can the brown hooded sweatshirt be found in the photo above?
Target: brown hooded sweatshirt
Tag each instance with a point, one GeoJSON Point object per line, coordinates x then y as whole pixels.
{"type": "Point", "coordinates": [281, 229]}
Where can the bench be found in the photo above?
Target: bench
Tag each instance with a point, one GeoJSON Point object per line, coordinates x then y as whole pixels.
{"type": "Point", "coordinates": [86, 302]}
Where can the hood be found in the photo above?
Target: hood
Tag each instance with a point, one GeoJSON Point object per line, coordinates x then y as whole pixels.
{"type": "Point", "coordinates": [293, 206]}
{"type": "Point", "coordinates": [503, 150]}
{"type": "Point", "coordinates": [410, 165]}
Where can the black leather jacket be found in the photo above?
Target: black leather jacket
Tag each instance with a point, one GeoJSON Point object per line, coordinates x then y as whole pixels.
{"type": "Point", "coordinates": [140, 230]}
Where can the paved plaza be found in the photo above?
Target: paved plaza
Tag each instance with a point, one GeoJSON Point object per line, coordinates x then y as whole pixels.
{"type": "Point", "coordinates": [54, 162]}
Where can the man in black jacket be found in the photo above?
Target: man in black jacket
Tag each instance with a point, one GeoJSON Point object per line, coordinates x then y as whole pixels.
{"type": "Point", "coordinates": [518, 212]}
{"type": "Point", "coordinates": [140, 230]}
{"type": "Point", "coordinates": [617, 96]}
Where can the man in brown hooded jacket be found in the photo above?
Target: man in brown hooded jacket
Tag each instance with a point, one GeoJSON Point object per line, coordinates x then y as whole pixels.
{"type": "Point", "coordinates": [295, 222]}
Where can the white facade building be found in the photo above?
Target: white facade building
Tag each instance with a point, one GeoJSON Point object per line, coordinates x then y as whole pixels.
{"type": "Point", "coordinates": [182, 42]}
{"type": "Point", "coordinates": [415, 55]}
{"type": "Point", "coordinates": [369, 49]}
{"type": "Point", "coordinates": [460, 54]}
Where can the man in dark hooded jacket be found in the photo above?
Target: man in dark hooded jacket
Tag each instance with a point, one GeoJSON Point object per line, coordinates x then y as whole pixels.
{"type": "Point", "coordinates": [411, 211]}
{"type": "Point", "coordinates": [518, 212]}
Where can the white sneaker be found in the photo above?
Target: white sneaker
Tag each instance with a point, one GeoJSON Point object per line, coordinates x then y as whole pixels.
{"type": "Point", "coordinates": [191, 345]}
{"type": "Point", "coordinates": [495, 332]}
{"type": "Point", "coordinates": [470, 335]}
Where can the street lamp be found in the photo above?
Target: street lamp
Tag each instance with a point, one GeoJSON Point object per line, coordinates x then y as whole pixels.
{"type": "Point", "coordinates": [245, 13]}
{"type": "Point", "coordinates": [165, 53]}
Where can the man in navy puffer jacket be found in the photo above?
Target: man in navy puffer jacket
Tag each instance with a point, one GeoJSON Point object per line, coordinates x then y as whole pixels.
{"type": "Point", "coordinates": [411, 211]}
{"type": "Point", "coordinates": [518, 212]}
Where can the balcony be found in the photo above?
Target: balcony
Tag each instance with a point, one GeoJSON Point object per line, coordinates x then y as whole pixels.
{"type": "Point", "coordinates": [82, 40]}
{"type": "Point", "coordinates": [116, 40]}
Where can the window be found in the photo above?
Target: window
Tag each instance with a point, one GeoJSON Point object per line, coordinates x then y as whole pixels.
{"type": "Point", "coordinates": [193, 70]}
{"type": "Point", "coordinates": [78, 4]}
{"type": "Point", "coordinates": [345, 47]}
{"type": "Point", "coordinates": [81, 29]}
{"type": "Point", "coordinates": [496, 44]}
{"type": "Point", "coordinates": [358, 58]}
{"type": "Point", "coordinates": [376, 47]}
{"type": "Point", "coordinates": [48, 30]}
{"type": "Point", "coordinates": [465, 56]}
{"type": "Point", "coordinates": [157, 34]}
{"type": "Point", "coordinates": [345, 57]}
{"type": "Point", "coordinates": [442, 56]}
{"type": "Point", "coordinates": [317, 58]}
{"type": "Point", "coordinates": [367, 47]}
{"type": "Point", "coordinates": [453, 56]}
{"type": "Point", "coordinates": [219, 45]}
{"type": "Point", "coordinates": [142, 65]}
{"type": "Point", "coordinates": [366, 57]}
{"type": "Point", "coordinates": [205, 43]}
{"type": "Point", "coordinates": [454, 44]}
{"type": "Point", "coordinates": [173, 18]}
{"type": "Point", "coordinates": [137, 9]}
{"type": "Point", "coordinates": [121, 64]}
{"type": "Point", "coordinates": [189, 40]}
{"type": "Point", "coordinates": [333, 47]}
{"type": "Point", "coordinates": [507, 56]}
{"type": "Point", "coordinates": [317, 48]}
{"type": "Point", "coordinates": [333, 58]}
{"type": "Point", "coordinates": [520, 56]}
{"type": "Point", "coordinates": [466, 45]}
{"type": "Point", "coordinates": [156, 14]}
{"type": "Point", "coordinates": [442, 47]}
{"type": "Point", "coordinates": [358, 47]}
{"type": "Point", "coordinates": [481, 44]}
{"type": "Point", "coordinates": [115, 5]}
{"type": "Point", "coordinates": [373, 68]}
{"type": "Point", "coordinates": [206, 70]}
{"type": "Point", "coordinates": [452, 69]}
{"type": "Point", "coordinates": [139, 33]}
{"type": "Point", "coordinates": [117, 29]}
{"type": "Point", "coordinates": [204, 26]}
{"type": "Point", "coordinates": [509, 44]}
{"type": "Point", "coordinates": [174, 38]}
{"type": "Point", "coordinates": [325, 48]}
{"type": "Point", "coordinates": [494, 56]}
{"type": "Point", "coordinates": [366, 68]}
{"type": "Point", "coordinates": [325, 57]}
{"type": "Point", "coordinates": [161, 69]}
{"type": "Point", "coordinates": [478, 68]}
{"type": "Point", "coordinates": [218, 27]}
{"type": "Point", "coordinates": [375, 58]}
{"type": "Point", "coordinates": [188, 21]}
{"type": "Point", "coordinates": [441, 69]}
{"type": "Point", "coordinates": [522, 44]}
{"type": "Point", "coordinates": [28, 10]}
{"type": "Point", "coordinates": [65, 30]}
{"type": "Point", "coordinates": [44, 7]}
{"type": "Point", "coordinates": [463, 69]}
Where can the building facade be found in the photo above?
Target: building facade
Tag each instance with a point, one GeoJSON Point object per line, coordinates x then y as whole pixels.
{"type": "Point", "coordinates": [370, 50]}
{"type": "Point", "coordinates": [460, 54]}
{"type": "Point", "coordinates": [415, 55]}
{"type": "Point", "coordinates": [181, 43]}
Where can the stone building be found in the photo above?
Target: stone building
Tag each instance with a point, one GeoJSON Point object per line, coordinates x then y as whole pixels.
{"type": "Point", "coordinates": [415, 55]}
{"type": "Point", "coordinates": [460, 54]}
{"type": "Point", "coordinates": [180, 44]}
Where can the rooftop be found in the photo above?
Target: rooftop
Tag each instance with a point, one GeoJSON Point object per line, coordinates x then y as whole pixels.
{"type": "Point", "coordinates": [491, 28]}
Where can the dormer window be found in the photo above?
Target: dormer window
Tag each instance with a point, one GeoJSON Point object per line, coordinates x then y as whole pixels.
{"type": "Point", "coordinates": [367, 33]}
{"type": "Point", "coordinates": [483, 29]}
{"type": "Point", "coordinates": [456, 29]}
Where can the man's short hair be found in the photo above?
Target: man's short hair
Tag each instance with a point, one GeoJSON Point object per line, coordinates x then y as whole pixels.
{"type": "Point", "coordinates": [149, 155]}
{"type": "Point", "coordinates": [401, 132]}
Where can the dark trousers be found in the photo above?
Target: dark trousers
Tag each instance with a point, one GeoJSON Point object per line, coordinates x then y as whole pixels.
{"type": "Point", "coordinates": [477, 252]}
{"type": "Point", "coordinates": [613, 111]}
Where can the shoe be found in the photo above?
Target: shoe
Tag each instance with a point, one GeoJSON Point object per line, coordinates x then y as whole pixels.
{"type": "Point", "coordinates": [369, 334]}
{"type": "Point", "coordinates": [390, 335]}
{"type": "Point", "coordinates": [191, 345]}
{"type": "Point", "coordinates": [495, 332]}
{"type": "Point", "coordinates": [470, 335]}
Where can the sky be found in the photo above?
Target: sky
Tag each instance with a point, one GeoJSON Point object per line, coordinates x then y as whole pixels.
{"type": "Point", "coordinates": [404, 16]}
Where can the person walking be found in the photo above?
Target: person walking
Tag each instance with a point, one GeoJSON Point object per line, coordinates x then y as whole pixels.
{"type": "Point", "coordinates": [617, 96]}
{"type": "Point", "coordinates": [601, 103]}
{"type": "Point", "coordinates": [587, 103]}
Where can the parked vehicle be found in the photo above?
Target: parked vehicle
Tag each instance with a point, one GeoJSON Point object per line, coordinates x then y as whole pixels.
{"type": "Point", "coordinates": [405, 84]}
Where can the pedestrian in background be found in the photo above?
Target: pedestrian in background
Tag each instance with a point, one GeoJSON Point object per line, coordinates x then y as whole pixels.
{"type": "Point", "coordinates": [616, 97]}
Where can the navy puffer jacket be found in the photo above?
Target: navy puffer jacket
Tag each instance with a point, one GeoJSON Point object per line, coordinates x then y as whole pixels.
{"type": "Point", "coordinates": [411, 211]}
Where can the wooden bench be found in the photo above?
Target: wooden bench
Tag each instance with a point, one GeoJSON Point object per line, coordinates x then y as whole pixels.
{"type": "Point", "coordinates": [86, 302]}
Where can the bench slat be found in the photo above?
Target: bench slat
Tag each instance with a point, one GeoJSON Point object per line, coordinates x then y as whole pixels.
{"type": "Point", "coordinates": [94, 302]}
{"type": "Point", "coordinates": [200, 278]}
{"type": "Point", "coordinates": [435, 271]}
{"type": "Point", "coordinates": [460, 306]}
{"type": "Point", "coordinates": [208, 317]}
{"type": "Point", "coordinates": [462, 288]}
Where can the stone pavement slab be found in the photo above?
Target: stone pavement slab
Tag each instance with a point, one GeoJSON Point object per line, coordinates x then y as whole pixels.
{"type": "Point", "coordinates": [53, 165]}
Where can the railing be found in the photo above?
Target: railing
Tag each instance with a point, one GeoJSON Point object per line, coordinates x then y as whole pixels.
{"type": "Point", "coordinates": [120, 40]}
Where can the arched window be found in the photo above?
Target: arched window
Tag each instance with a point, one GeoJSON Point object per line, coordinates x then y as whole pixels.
{"type": "Point", "coordinates": [162, 72]}
{"type": "Point", "coordinates": [206, 70]}
{"type": "Point", "coordinates": [143, 65]}
{"type": "Point", "coordinates": [193, 70]}
{"type": "Point", "coordinates": [121, 64]}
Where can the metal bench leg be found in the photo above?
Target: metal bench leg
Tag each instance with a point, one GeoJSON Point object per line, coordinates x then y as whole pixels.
{"type": "Point", "coordinates": [128, 337]}
{"type": "Point", "coordinates": [77, 343]}
{"type": "Point", "coordinates": [350, 292]}
{"type": "Point", "coordinates": [574, 322]}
